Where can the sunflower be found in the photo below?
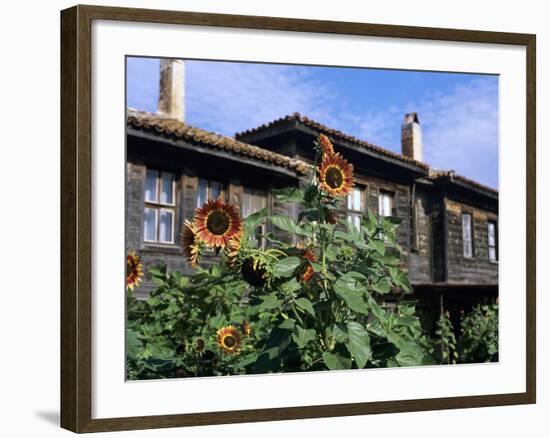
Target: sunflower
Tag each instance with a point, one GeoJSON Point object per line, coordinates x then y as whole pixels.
{"type": "Point", "coordinates": [191, 244]}
{"type": "Point", "coordinates": [307, 271]}
{"type": "Point", "coordinates": [335, 175]}
{"type": "Point", "coordinates": [326, 145]}
{"type": "Point", "coordinates": [247, 328]}
{"type": "Point", "coordinates": [253, 272]}
{"type": "Point", "coordinates": [232, 250]}
{"type": "Point", "coordinates": [229, 339]}
{"type": "Point", "coordinates": [216, 222]}
{"type": "Point", "coordinates": [134, 270]}
{"type": "Point", "coordinates": [331, 217]}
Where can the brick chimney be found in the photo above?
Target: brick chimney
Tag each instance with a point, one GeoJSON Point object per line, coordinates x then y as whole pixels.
{"type": "Point", "coordinates": [411, 137]}
{"type": "Point", "coordinates": [171, 89]}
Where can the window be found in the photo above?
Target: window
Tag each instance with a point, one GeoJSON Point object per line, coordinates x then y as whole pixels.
{"type": "Point", "coordinates": [385, 204]}
{"type": "Point", "coordinates": [467, 235]}
{"type": "Point", "coordinates": [492, 240]}
{"type": "Point", "coordinates": [159, 211]}
{"type": "Point", "coordinates": [208, 190]}
{"type": "Point", "coordinates": [354, 207]}
{"type": "Point", "coordinates": [252, 202]}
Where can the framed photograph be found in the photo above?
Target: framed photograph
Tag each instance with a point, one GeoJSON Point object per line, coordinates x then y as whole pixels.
{"type": "Point", "coordinates": [270, 219]}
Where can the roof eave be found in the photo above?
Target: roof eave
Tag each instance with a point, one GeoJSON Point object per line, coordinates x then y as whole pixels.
{"type": "Point", "coordinates": [208, 150]}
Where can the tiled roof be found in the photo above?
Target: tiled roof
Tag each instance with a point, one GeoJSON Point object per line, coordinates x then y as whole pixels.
{"type": "Point", "coordinates": [437, 174]}
{"type": "Point", "coordinates": [334, 134]}
{"type": "Point", "coordinates": [180, 130]}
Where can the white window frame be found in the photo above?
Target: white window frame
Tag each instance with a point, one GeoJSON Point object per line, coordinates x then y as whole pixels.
{"type": "Point", "coordinates": [352, 213]}
{"type": "Point", "coordinates": [209, 191]}
{"type": "Point", "coordinates": [467, 243]}
{"type": "Point", "coordinates": [385, 194]}
{"type": "Point", "coordinates": [157, 206]}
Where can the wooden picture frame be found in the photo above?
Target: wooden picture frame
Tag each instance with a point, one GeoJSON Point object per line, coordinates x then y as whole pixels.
{"type": "Point", "coordinates": [76, 218]}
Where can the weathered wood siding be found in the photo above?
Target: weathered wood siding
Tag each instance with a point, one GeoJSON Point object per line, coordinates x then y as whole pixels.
{"type": "Point", "coordinates": [186, 180]}
{"type": "Point", "coordinates": [420, 263]}
{"type": "Point", "coordinates": [475, 270]}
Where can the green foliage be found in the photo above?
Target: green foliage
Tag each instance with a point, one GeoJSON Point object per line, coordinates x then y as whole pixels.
{"type": "Point", "coordinates": [313, 306]}
{"type": "Point", "coordinates": [447, 340]}
{"type": "Point", "coordinates": [479, 335]}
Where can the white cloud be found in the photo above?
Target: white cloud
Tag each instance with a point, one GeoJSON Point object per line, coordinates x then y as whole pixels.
{"type": "Point", "coordinates": [460, 127]}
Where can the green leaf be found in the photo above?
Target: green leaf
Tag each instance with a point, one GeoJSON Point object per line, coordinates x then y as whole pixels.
{"type": "Point", "coordinates": [270, 302]}
{"type": "Point", "coordinates": [287, 324]}
{"type": "Point", "coordinates": [340, 333]}
{"type": "Point", "coordinates": [302, 336]}
{"type": "Point", "coordinates": [402, 280]}
{"type": "Point", "coordinates": [290, 286]}
{"type": "Point", "coordinates": [285, 267]}
{"type": "Point", "coordinates": [287, 224]}
{"type": "Point", "coordinates": [305, 304]}
{"type": "Point", "coordinates": [352, 291]}
{"type": "Point", "coordinates": [335, 361]}
{"type": "Point", "coordinates": [359, 343]}
{"type": "Point", "coordinates": [377, 245]}
{"type": "Point", "coordinates": [252, 221]}
{"type": "Point", "coordinates": [289, 194]}
{"type": "Point", "coordinates": [133, 344]}
{"type": "Point", "coordinates": [382, 286]}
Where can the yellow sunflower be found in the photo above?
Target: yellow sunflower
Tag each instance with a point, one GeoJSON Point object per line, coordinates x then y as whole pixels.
{"type": "Point", "coordinates": [216, 222]}
{"type": "Point", "coordinates": [191, 244]}
{"type": "Point", "coordinates": [229, 339]}
{"type": "Point", "coordinates": [134, 270]}
{"type": "Point", "coordinates": [326, 145]}
{"type": "Point", "coordinates": [232, 250]}
{"type": "Point", "coordinates": [335, 175]}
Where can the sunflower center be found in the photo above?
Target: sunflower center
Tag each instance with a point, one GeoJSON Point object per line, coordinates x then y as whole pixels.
{"type": "Point", "coordinates": [218, 222]}
{"type": "Point", "coordinates": [334, 177]}
{"type": "Point", "coordinates": [229, 341]}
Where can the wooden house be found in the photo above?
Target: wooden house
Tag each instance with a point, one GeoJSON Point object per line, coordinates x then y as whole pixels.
{"type": "Point", "coordinates": [449, 228]}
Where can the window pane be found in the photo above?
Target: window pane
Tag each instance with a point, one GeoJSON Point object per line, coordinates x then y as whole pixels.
{"type": "Point", "coordinates": [491, 234]}
{"type": "Point", "coordinates": [202, 190]}
{"type": "Point", "coordinates": [252, 202]}
{"type": "Point", "coordinates": [354, 220]}
{"type": "Point", "coordinates": [215, 190]}
{"type": "Point", "coordinates": [151, 185]}
{"type": "Point", "coordinates": [149, 224]}
{"type": "Point", "coordinates": [354, 200]}
{"type": "Point", "coordinates": [165, 226]}
{"type": "Point", "coordinates": [384, 204]}
{"type": "Point", "coordinates": [166, 190]}
{"type": "Point", "coordinates": [493, 254]}
{"type": "Point", "coordinates": [467, 234]}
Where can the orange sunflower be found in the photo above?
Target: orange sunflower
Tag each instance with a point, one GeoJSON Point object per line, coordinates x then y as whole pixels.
{"type": "Point", "coordinates": [134, 270]}
{"type": "Point", "coordinates": [307, 272]}
{"type": "Point", "coordinates": [335, 175]}
{"type": "Point", "coordinates": [229, 339]}
{"type": "Point", "coordinates": [326, 145]}
{"type": "Point", "coordinates": [191, 244]}
{"type": "Point", "coordinates": [216, 222]}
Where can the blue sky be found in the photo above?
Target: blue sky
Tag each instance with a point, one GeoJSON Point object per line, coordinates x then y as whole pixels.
{"type": "Point", "coordinates": [458, 112]}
